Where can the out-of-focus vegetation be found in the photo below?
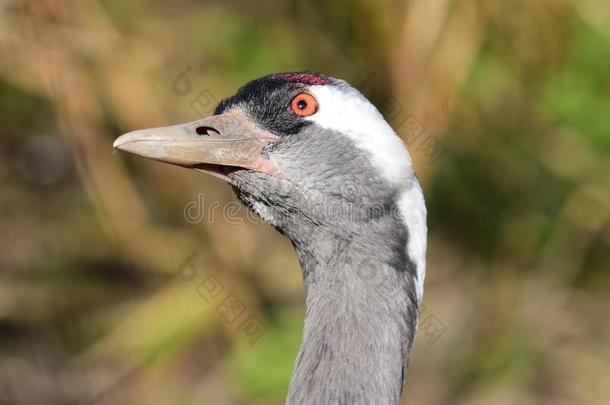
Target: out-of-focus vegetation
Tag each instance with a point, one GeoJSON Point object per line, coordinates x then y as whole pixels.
{"type": "Point", "coordinates": [100, 294]}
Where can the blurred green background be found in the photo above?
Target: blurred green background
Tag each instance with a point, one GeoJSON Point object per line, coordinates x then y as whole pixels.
{"type": "Point", "coordinates": [505, 106]}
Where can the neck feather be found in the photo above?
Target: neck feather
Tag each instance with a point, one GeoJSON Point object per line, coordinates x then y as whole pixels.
{"type": "Point", "coordinates": [361, 316]}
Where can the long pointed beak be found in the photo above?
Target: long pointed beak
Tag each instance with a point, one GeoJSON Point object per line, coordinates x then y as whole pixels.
{"type": "Point", "coordinates": [211, 145]}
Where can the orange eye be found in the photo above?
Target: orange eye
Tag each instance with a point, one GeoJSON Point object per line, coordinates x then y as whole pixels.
{"type": "Point", "coordinates": [304, 104]}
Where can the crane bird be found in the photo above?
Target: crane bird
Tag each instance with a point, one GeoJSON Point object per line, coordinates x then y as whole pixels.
{"type": "Point", "coordinates": [312, 156]}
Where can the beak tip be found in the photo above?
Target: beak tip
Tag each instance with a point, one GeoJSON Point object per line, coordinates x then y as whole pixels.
{"type": "Point", "coordinates": [120, 142]}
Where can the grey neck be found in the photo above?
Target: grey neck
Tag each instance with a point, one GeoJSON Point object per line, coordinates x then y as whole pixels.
{"type": "Point", "coordinates": [360, 282]}
{"type": "Point", "coordinates": [361, 315]}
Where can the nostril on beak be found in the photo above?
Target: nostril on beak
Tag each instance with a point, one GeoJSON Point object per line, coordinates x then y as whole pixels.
{"type": "Point", "coordinates": [203, 130]}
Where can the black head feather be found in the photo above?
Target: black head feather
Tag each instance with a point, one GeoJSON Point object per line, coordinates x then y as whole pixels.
{"type": "Point", "coordinates": [267, 100]}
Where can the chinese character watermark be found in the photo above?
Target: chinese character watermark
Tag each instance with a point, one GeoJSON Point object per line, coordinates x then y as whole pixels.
{"type": "Point", "coordinates": [227, 304]}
